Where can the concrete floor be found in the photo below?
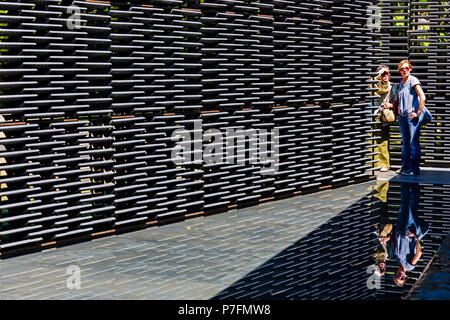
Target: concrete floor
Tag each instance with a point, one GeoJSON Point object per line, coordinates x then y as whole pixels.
{"type": "Point", "coordinates": [194, 259]}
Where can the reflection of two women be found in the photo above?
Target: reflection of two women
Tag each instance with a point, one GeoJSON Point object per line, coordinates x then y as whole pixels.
{"type": "Point", "coordinates": [402, 242]}
{"type": "Point", "coordinates": [409, 230]}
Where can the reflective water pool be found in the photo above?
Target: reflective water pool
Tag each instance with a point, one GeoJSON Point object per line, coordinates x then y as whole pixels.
{"type": "Point", "coordinates": [368, 251]}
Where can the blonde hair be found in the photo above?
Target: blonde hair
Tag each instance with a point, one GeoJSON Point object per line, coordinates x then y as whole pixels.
{"type": "Point", "coordinates": [403, 62]}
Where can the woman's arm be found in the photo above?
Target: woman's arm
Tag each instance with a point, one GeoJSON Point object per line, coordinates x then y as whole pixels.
{"type": "Point", "coordinates": [418, 253]}
{"type": "Point", "coordinates": [422, 100]}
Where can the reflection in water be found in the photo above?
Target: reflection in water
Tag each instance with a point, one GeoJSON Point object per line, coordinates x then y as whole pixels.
{"type": "Point", "coordinates": [384, 230]}
{"type": "Point", "coordinates": [400, 243]}
{"type": "Point", "coordinates": [412, 224]}
{"type": "Point", "coordinates": [409, 231]}
{"type": "Point", "coordinates": [344, 259]}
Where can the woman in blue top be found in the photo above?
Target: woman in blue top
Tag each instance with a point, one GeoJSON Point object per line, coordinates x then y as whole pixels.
{"type": "Point", "coordinates": [411, 101]}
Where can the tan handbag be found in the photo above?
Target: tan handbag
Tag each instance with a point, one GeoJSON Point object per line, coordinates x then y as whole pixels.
{"type": "Point", "coordinates": [387, 115]}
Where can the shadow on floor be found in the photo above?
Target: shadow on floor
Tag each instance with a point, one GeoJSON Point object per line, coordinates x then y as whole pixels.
{"type": "Point", "coordinates": [329, 263]}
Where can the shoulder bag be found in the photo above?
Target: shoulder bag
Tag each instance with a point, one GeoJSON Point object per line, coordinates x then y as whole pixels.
{"type": "Point", "coordinates": [387, 115]}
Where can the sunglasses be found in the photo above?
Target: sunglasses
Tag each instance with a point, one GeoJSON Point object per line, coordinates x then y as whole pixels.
{"type": "Point", "coordinates": [385, 74]}
{"type": "Point", "coordinates": [404, 69]}
{"type": "Point", "coordinates": [401, 276]}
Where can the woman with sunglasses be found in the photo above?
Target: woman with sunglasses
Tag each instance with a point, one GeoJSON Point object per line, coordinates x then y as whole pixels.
{"type": "Point", "coordinates": [386, 98]}
{"type": "Point", "coordinates": [411, 101]}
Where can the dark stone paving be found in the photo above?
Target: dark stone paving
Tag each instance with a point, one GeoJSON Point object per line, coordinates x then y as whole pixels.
{"type": "Point", "coordinates": [316, 246]}
{"type": "Point", "coordinates": [195, 259]}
